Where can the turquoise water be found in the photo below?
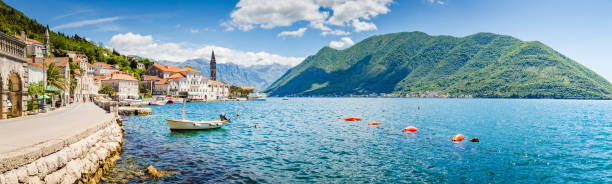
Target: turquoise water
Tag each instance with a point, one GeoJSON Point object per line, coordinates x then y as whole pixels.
{"type": "Point", "coordinates": [301, 140]}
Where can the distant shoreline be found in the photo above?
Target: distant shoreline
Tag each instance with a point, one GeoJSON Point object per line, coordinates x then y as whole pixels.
{"type": "Point", "coordinates": [602, 99]}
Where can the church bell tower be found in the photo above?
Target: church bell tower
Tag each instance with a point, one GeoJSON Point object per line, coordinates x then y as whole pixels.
{"type": "Point", "coordinates": [213, 67]}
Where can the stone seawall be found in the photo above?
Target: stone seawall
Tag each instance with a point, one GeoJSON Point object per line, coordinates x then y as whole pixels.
{"type": "Point", "coordinates": [80, 158]}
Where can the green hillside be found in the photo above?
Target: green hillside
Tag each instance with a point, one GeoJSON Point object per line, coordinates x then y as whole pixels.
{"type": "Point", "coordinates": [13, 22]}
{"type": "Point", "coordinates": [480, 65]}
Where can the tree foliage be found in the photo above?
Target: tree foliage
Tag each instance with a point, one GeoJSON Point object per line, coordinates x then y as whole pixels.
{"type": "Point", "coordinates": [480, 65]}
{"type": "Point", "coordinates": [55, 76]}
{"type": "Point", "coordinates": [106, 89]}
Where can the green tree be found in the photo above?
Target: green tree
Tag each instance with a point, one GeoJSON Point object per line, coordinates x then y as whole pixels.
{"type": "Point", "coordinates": [106, 89]}
{"type": "Point", "coordinates": [55, 76]}
{"type": "Point", "coordinates": [35, 89]}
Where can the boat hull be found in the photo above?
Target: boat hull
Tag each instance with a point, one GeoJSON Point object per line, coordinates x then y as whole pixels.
{"type": "Point", "coordinates": [175, 125]}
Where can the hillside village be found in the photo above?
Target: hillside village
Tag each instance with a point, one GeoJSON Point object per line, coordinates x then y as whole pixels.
{"type": "Point", "coordinates": [36, 75]}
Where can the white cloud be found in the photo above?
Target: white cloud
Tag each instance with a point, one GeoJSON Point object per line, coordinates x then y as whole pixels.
{"type": "Point", "coordinates": [250, 14]}
{"type": "Point", "coordinates": [196, 31]}
{"type": "Point", "coordinates": [273, 13]}
{"type": "Point", "coordinates": [146, 46]}
{"type": "Point", "coordinates": [343, 42]}
{"type": "Point", "coordinates": [363, 26]}
{"type": "Point", "coordinates": [85, 23]}
{"type": "Point", "coordinates": [348, 10]}
{"type": "Point", "coordinates": [440, 2]}
{"type": "Point", "coordinates": [296, 33]}
{"type": "Point", "coordinates": [335, 32]}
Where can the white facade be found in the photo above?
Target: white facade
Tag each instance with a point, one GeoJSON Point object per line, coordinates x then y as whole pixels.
{"type": "Point", "coordinates": [35, 74]}
{"type": "Point", "coordinates": [123, 88]}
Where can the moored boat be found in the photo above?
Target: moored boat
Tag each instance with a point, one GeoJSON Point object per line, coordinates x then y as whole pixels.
{"type": "Point", "coordinates": [257, 96]}
{"type": "Point", "coordinates": [184, 124]}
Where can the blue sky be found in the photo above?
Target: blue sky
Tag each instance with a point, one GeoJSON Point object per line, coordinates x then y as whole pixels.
{"type": "Point", "coordinates": [276, 31]}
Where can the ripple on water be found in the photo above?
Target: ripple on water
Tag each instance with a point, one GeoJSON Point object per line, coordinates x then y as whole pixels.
{"type": "Point", "coordinates": [303, 141]}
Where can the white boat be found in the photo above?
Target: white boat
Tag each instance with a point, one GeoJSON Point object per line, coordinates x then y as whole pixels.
{"type": "Point", "coordinates": [257, 96]}
{"type": "Point", "coordinates": [159, 101]}
{"type": "Point", "coordinates": [196, 125]}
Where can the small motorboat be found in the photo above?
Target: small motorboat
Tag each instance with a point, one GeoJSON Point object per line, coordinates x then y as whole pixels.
{"type": "Point", "coordinates": [184, 124]}
{"type": "Point", "coordinates": [159, 101]}
{"type": "Point", "coordinates": [257, 97]}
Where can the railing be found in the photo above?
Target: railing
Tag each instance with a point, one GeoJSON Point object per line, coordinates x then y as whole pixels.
{"type": "Point", "coordinates": [12, 47]}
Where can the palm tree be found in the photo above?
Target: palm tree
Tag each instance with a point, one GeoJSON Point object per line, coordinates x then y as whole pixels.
{"type": "Point", "coordinates": [55, 77]}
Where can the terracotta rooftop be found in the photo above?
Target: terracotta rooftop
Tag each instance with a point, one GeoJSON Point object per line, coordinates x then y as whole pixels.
{"type": "Point", "coordinates": [28, 39]}
{"type": "Point", "coordinates": [104, 65]}
{"type": "Point", "coordinates": [187, 69]}
{"type": "Point", "coordinates": [161, 81]}
{"type": "Point", "coordinates": [176, 76]}
{"type": "Point", "coordinates": [167, 68]}
{"type": "Point", "coordinates": [120, 75]}
{"type": "Point", "coordinates": [37, 65]}
{"type": "Point", "coordinates": [59, 61]}
{"type": "Point", "coordinates": [217, 82]}
{"type": "Point", "coordinates": [149, 77]}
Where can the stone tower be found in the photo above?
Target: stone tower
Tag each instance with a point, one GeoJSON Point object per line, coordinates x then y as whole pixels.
{"type": "Point", "coordinates": [47, 41]}
{"type": "Point", "coordinates": [213, 67]}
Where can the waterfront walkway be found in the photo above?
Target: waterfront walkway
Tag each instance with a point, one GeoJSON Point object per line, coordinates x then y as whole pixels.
{"type": "Point", "coordinates": [19, 133]}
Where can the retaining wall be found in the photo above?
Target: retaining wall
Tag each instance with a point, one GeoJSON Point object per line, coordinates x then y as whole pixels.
{"type": "Point", "coordinates": [81, 158]}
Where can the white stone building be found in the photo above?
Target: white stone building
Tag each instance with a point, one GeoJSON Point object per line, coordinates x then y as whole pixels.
{"type": "Point", "coordinates": [124, 84]}
{"type": "Point", "coordinates": [101, 68]}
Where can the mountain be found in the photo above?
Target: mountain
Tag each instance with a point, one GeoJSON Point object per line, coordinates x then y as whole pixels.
{"type": "Point", "coordinates": [258, 76]}
{"type": "Point", "coordinates": [416, 64]}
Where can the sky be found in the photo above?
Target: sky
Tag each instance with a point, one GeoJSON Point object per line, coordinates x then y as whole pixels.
{"type": "Point", "coordinates": [251, 32]}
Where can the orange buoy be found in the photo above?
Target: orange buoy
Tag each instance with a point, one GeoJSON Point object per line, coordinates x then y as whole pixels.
{"type": "Point", "coordinates": [411, 129]}
{"type": "Point", "coordinates": [458, 137]}
{"type": "Point", "coordinates": [237, 114]}
{"type": "Point", "coordinates": [374, 123]}
{"type": "Point", "coordinates": [352, 119]}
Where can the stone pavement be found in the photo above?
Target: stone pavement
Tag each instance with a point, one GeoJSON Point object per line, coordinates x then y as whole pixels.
{"type": "Point", "coordinates": [21, 133]}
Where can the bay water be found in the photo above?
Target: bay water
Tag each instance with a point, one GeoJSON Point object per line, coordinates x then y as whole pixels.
{"type": "Point", "coordinates": [302, 140]}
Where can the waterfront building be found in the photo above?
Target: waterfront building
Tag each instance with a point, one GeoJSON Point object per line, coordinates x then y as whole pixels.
{"type": "Point", "coordinates": [86, 66]}
{"type": "Point", "coordinates": [148, 83]}
{"type": "Point", "coordinates": [13, 76]}
{"type": "Point", "coordinates": [101, 68]}
{"type": "Point", "coordinates": [140, 65]}
{"type": "Point", "coordinates": [124, 84]}
{"type": "Point", "coordinates": [35, 71]}
{"type": "Point", "coordinates": [189, 82]}
{"type": "Point", "coordinates": [85, 87]}
{"type": "Point", "coordinates": [33, 47]}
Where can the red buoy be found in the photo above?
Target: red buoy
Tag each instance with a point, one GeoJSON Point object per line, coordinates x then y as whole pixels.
{"type": "Point", "coordinates": [458, 137]}
{"type": "Point", "coordinates": [374, 123]}
{"type": "Point", "coordinates": [411, 129]}
{"type": "Point", "coordinates": [352, 119]}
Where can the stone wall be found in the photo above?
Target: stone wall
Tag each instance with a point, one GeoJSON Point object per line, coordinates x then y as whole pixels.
{"type": "Point", "coordinates": [81, 158]}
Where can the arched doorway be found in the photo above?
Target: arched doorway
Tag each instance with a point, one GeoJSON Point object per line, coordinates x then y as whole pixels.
{"type": "Point", "coordinates": [15, 95]}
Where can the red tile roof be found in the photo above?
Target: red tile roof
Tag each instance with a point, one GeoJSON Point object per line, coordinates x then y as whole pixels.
{"type": "Point", "coordinates": [104, 65]}
{"type": "Point", "coordinates": [119, 75]}
{"type": "Point", "coordinates": [28, 39]}
{"type": "Point", "coordinates": [59, 61]}
{"type": "Point", "coordinates": [149, 77]}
